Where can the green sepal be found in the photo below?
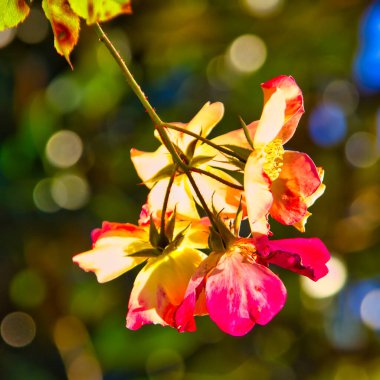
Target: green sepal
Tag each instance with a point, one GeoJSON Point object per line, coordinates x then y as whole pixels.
{"type": "Point", "coordinates": [242, 152]}
{"type": "Point", "coordinates": [246, 132]}
{"type": "Point", "coordinates": [154, 236]}
{"type": "Point", "coordinates": [148, 252]}
{"type": "Point", "coordinates": [169, 229]}
{"type": "Point", "coordinates": [238, 219]}
{"type": "Point", "coordinates": [199, 160]}
{"type": "Point", "coordinates": [177, 241]}
{"type": "Point", "coordinates": [215, 241]}
{"type": "Point", "coordinates": [165, 172]}
{"type": "Point", "coordinates": [191, 149]}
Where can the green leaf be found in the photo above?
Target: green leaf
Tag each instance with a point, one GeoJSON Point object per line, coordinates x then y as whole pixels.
{"type": "Point", "coordinates": [242, 152]}
{"type": "Point", "coordinates": [100, 10]}
{"type": "Point", "coordinates": [65, 24]}
{"type": "Point", "coordinates": [191, 149]}
{"type": "Point", "coordinates": [177, 241]}
{"type": "Point", "coordinates": [12, 12]}
{"type": "Point", "coordinates": [238, 218]}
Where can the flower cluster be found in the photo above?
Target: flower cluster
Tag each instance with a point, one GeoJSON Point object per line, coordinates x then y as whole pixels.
{"type": "Point", "coordinates": [200, 191]}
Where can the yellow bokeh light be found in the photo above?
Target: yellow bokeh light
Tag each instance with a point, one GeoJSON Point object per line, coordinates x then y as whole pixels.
{"type": "Point", "coordinates": [361, 150]}
{"type": "Point", "coordinates": [247, 53]}
{"type": "Point", "coordinates": [329, 285]}
{"type": "Point", "coordinates": [42, 196]}
{"type": "Point", "coordinates": [262, 8]}
{"type": "Point", "coordinates": [70, 191]}
{"type": "Point", "coordinates": [64, 149]}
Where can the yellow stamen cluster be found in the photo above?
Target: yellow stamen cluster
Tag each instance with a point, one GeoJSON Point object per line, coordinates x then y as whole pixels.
{"type": "Point", "coordinates": [274, 152]}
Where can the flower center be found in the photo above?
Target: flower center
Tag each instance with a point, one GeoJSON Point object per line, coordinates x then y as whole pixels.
{"type": "Point", "coordinates": [274, 152]}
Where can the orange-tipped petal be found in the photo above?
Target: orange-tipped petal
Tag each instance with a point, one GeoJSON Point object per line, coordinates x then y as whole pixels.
{"type": "Point", "coordinates": [298, 180]}
{"type": "Point", "coordinates": [258, 196]}
{"type": "Point", "coordinates": [294, 103]}
{"type": "Point", "coordinates": [148, 164]}
{"type": "Point", "coordinates": [160, 287]}
{"type": "Point", "coordinates": [108, 259]}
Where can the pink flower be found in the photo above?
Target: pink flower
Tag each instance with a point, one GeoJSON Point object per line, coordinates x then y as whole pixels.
{"type": "Point", "coordinates": [236, 287]}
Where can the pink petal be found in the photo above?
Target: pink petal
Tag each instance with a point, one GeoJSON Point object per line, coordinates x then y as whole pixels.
{"type": "Point", "coordinates": [194, 302]}
{"type": "Point", "coordinates": [240, 294]}
{"type": "Point", "coordinates": [160, 287]}
{"type": "Point", "coordinates": [294, 103]}
{"type": "Point", "coordinates": [304, 256]}
{"type": "Point", "coordinates": [298, 180]}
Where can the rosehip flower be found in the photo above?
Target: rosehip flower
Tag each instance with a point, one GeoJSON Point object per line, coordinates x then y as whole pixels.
{"type": "Point", "coordinates": [161, 284]}
{"type": "Point", "coordinates": [156, 168]}
{"type": "Point", "coordinates": [237, 289]}
{"type": "Point", "coordinates": [276, 182]}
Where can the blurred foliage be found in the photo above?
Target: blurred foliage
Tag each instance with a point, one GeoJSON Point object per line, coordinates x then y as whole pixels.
{"type": "Point", "coordinates": [179, 52]}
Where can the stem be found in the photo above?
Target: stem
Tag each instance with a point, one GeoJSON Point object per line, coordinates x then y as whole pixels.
{"type": "Point", "coordinates": [166, 200]}
{"type": "Point", "coordinates": [228, 183]}
{"type": "Point", "coordinates": [128, 75]}
{"type": "Point", "coordinates": [159, 125]}
{"type": "Point", "coordinates": [206, 141]}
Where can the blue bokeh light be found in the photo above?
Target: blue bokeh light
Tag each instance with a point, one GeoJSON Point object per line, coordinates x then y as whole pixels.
{"type": "Point", "coordinates": [327, 124]}
{"type": "Point", "coordinates": [366, 66]}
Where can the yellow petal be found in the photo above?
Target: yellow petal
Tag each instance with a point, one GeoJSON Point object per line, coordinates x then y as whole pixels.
{"type": "Point", "coordinates": [109, 259]}
{"type": "Point", "coordinates": [180, 198]}
{"type": "Point", "coordinates": [216, 194]}
{"type": "Point", "coordinates": [196, 235]}
{"type": "Point", "coordinates": [271, 120]}
{"type": "Point", "coordinates": [258, 196]}
{"type": "Point", "coordinates": [203, 122]}
{"type": "Point", "coordinates": [160, 287]}
{"type": "Point", "coordinates": [148, 164]}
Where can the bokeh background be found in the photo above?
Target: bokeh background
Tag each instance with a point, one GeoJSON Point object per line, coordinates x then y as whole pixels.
{"type": "Point", "coordinates": [65, 138]}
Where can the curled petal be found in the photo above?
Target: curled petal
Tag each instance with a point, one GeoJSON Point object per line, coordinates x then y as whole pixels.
{"type": "Point", "coordinates": [160, 287]}
{"type": "Point", "coordinates": [149, 164]}
{"type": "Point", "coordinates": [304, 256]}
{"type": "Point", "coordinates": [257, 191]}
{"type": "Point", "coordinates": [294, 103]}
{"type": "Point", "coordinates": [298, 180]}
{"type": "Point", "coordinates": [240, 294]}
{"type": "Point", "coordinates": [109, 259]}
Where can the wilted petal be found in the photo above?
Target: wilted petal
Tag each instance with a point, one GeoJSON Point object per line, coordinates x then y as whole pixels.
{"type": "Point", "coordinates": [257, 191]}
{"type": "Point", "coordinates": [160, 287]}
{"type": "Point", "coordinates": [304, 256]}
{"type": "Point", "coordinates": [108, 259]}
{"type": "Point", "coordinates": [240, 294]}
{"type": "Point", "coordinates": [65, 24]}
{"type": "Point", "coordinates": [149, 164]}
{"type": "Point", "coordinates": [293, 99]}
{"type": "Point", "coordinates": [298, 180]}
{"type": "Point", "coordinates": [194, 302]}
